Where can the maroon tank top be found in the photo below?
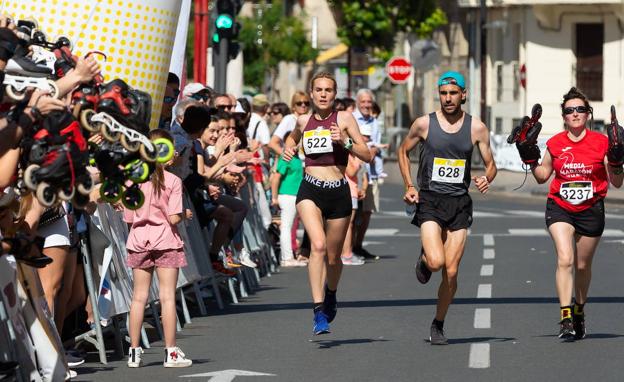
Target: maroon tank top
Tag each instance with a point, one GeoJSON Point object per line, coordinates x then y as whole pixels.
{"type": "Point", "coordinates": [338, 157]}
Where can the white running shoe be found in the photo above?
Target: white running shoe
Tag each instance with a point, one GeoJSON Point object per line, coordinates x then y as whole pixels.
{"type": "Point", "coordinates": [293, 263]}
{"type": "Point", "coordinates": [245, 258]}
{"type": "Point", "coordinates": [134, 357]}
{"type": "Point", "coordinates": [353, 260]}
{"type": "Point", "coordinates": [70, 374]}
{"type": "Point", "coordinates": [174, 357]}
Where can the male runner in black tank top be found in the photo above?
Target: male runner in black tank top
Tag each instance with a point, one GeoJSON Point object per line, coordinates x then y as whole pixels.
{"type": "Point", "coordinates": [443, 206]}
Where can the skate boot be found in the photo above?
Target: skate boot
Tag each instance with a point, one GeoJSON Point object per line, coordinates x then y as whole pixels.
{"type": "Point", "coordinates": [22, 73]}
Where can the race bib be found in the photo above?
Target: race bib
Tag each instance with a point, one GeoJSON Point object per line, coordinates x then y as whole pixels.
{"type": "Point", "coordinates": [576, 192]}
{"type": "Point", "coordinates": [448, 170]}
{"type": "Point", "coordinates": [317, 141]}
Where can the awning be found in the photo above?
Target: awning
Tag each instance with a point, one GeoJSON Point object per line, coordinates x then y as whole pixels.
{"type": "Point", "coordinates": [333, 52]}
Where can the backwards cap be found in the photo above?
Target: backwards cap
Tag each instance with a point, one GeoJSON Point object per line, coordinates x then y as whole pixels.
{"type": "Point", "coordinates": [452, 78]}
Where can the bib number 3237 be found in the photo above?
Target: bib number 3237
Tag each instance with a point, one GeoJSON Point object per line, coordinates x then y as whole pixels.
{"type": "Point", "coordinates": [317, 141]}
{"type": "Point", "coordinates": [576, 192]}
{"type": "Point", "coordinates": [448, 170]}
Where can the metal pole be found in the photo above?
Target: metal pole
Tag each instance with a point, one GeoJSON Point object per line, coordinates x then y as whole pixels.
{"type": "Point", "coordinates": [221, 66]}
{"type": "Point", "coordinates": [483, 30]}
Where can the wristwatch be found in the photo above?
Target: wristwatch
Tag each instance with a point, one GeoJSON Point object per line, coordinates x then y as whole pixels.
{"type": "Point", "coordinates": [348, 144]}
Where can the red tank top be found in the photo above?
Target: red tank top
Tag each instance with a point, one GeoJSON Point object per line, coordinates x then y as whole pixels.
{"type": "Point", "coordinates": [580, 174]}
{"type": "Point", "coordinates": [339, 155]}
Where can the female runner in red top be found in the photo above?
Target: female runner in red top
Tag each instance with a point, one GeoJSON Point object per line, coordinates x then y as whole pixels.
{"type": "Point", "coordinates": [324, 198]}
{"type": "Point", "coordinates": [575, 208]}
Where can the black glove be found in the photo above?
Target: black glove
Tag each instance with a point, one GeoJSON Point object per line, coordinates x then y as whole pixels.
{"type": "Point", "coordinates": [529, 153]}
{"type": "Point", "coordinates": [8, 43]}
{"type": "Point", "coordinates": [615, 154]}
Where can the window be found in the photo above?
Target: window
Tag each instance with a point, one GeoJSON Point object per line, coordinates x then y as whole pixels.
{"type": "Point", "coordinates": [499, 82]}
{"type": "Point", "coordinates": [589, 59]}
{"type": "Point", "coordinates": [499, 126]}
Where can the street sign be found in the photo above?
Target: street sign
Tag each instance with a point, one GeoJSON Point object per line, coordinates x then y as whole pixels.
{"type": "Point", "coordinates": [523, 76]}
{"type": "Point", "coordinates": [399, 70]}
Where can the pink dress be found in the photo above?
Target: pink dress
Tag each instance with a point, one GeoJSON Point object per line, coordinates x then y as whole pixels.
{"type": "Point", "coordinates": [152, 240]}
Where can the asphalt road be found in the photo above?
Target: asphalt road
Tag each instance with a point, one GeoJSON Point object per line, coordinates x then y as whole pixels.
{"type": "Point", "coordinates": [501, 327]}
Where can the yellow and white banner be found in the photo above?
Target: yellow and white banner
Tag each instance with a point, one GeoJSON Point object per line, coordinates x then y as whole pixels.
{"type": "Point", "coordinates": [137, 36]}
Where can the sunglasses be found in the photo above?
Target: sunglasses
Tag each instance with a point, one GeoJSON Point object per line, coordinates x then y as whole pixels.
{"type": "Point", "coordinates": [274, 112]}
{"type": "Point", "coordinates": [200, 97]}
{"type": "Point", "coordinates": [168, 99]}
{"type": "Point", "coordinates": [302, 103]}
{"type": "Point", "coordinates": [579, 109]}
{"type": "Point", "coordinates": [225, 107]}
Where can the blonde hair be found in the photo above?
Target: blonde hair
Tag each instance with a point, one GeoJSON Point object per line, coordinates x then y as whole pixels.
{"type": "Point", "coordinates": [298, 94]}
{"type": "Point", "coordinates": [327, 75]}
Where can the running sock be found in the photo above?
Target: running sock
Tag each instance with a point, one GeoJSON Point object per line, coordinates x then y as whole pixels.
{"type": "Point", "coordinates": [566, 312]}
{"type": "Point", "coordinates": [318, 307]}
{"type": "Point", "coordinates": [438, 324]}
{"type": "Point", "coordinates": [329, 291]}
{"type": "Point", "coordinates": [579, 309]}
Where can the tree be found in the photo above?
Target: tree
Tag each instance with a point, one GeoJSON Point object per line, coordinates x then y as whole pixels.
{"type": "Point", "coordinates": [375, 24]}
{"type": "Point", "coordinates": [269, 38]}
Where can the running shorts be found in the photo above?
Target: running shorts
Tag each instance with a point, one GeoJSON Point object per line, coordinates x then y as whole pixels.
{"type": "Point", "coordinates": [450, 212]}
{"type": "Point", "coordinates": [333, 198]}
{"type": "Point", "coordinates": [589, 222]}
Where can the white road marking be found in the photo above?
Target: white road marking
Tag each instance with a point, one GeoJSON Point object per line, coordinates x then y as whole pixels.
{"type": "Point", "coordinates": [527, 214]}
{"type": "Point", "coordinates": [479, 356]}
{"type": "Point", "coordinates": [488, 253]}
{"type": "Point", "coordinates": [484, 291]}
{"type": "Point", "coordinates": [373, 232]}
{"type": "Point", "coordinates": [488, 240]}
{"type": "Point", "coordinates": [544, 232]}
{"type": "Point", "coordinates": [226, 375]}
{"type": "Point", "coordinates": [487, 270]}
{"type": "Point", "coordinates": [482, 318]}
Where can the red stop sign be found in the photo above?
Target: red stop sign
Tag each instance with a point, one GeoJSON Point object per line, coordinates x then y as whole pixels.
{"type": "Point", "coordinates": [399, 69]}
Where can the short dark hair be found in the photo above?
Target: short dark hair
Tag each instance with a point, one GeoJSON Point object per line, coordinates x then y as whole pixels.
{"type": "Point", "coordinates": [281, 108]}
{"type": "Point", "coordinates": [196, 119]}
{"type": "Point", "coordinates": [348, 102]}
{"type": "Point", "coordinates": [173, 78]}
{"type": "Point", "coordinates": [575, 93]}
{"type": "Point", "coordinates": [339, 104]}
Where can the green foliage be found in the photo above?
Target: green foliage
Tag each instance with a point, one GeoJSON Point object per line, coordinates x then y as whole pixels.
{"type": "Point", "coordinates": [375, 24]}
{"type": "Point", "coordinates": [269, 38]}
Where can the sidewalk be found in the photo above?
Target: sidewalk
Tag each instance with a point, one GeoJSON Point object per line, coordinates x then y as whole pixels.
{"type": "Point", "coordinates": [506, 181]}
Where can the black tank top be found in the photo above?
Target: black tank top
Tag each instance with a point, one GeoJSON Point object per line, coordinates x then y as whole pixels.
{"type": "Point", "coordinates": [338, 157]}
{"type": "Point", "coordinates": [444, 165]}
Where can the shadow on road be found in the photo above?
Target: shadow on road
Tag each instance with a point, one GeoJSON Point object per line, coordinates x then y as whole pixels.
{"type": "Point", "coordinates": [328, 344]}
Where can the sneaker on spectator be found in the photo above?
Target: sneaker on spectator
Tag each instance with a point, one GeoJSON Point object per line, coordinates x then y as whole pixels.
{"type": "Point", "coordinates": [360, 251]}
{"type": "Point", "coordinates": [220, 268]}
{"type": "Point", "coordinates": [175, 358]}
{"type": "Point", "coordinates": [293, 263]}
{"type": "Point", "coordinates": [70, 374]}
{"type": "Point", "coordinates": [73, 360]}
{"type": "Point", "coordinates": [352, 260]}
{"type": "Point", "coordinates": [383, 175]}
{"type": "Point", "coordinates": [134, 357]}
{"type": "Point", "coordinates": [245, 258]}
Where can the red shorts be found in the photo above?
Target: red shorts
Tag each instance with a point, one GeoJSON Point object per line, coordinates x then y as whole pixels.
{"type": "Point", "coordinates": [169, 258]}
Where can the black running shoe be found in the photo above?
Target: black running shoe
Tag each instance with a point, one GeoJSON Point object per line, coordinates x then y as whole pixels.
{"type": "Point", "coordinates": [578, 321]}
{"type": "Point", "coordinates": [566, 330]}
{"type": "Point", "coordinates": [330, 306]}
{"type": "Point", "coordinates": [423, 274]}
{"type": "Point", "coordinates": [437, 335]}
{"type": "Point", "coordinates": [360, 251]}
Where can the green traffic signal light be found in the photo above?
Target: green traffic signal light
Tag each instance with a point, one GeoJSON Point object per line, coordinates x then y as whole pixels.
{"type": "Point", "coordinates": [224, 22]}
{"type": "Point", "coordinates": [215, 38]}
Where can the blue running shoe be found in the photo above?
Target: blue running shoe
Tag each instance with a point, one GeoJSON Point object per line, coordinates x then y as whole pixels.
{"type": "Point", "coordinates": [330, 306]}
{"type": "Point", "coordinates": [321, 326]}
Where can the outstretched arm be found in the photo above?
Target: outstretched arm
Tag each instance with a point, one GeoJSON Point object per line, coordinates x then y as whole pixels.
{"type": "Point", "coordinates": [414, 136]}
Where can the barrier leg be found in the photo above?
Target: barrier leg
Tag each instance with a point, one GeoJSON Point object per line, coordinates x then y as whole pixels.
{"type": "Point", "coordinates": [99, 338]}
{"type": "Point", "coordinates": [157, 323]}
{"type": "Point", "coordinates": [230, 283]}
{"type": "Point", "coordinates": [185, 312]}
{"type": "Point", "coordinates": [200, 300]}
{"type": "Point", "coordinates": [119, 348]}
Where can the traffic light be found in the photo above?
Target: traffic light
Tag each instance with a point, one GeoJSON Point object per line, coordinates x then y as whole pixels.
{"type": "Point", "coordinates": [224, 44]}
{"type": "Point", "coordinates": [225, 22]}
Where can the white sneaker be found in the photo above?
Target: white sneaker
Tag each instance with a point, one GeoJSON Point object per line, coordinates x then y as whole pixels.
{"type": "Point", "coordinates": [134, 357]}
{"type": "Point", "coordinates": [245, 258]}
{"type": "Point", "coordinates": [353, 260]}
{"type": "Point", "coordinates": [175, 358]}
{"type": "Point", "coordinates": [70, 374]}
{"type": "Point", "coordinates": [293, 263]}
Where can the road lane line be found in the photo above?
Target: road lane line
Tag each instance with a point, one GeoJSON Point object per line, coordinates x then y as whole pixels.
{"type": "Point", "coordinates": [488, 253]}
{"type": "Point", "coordinates": [488, 240]}
{"type": "Point", "coordinates": [479, 356]}
{"type": "Point", "coordinates": [484, 291]}
{"type": "Point", "coordinates": [482, 318]}
{"type": "Point", "coordinates": [487, 270]}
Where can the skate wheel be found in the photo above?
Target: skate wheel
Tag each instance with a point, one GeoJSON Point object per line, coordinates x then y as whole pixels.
{"type": "Point", "coordinates": [133, 198]}
{"type": "Point", "coordinates": [45, 194]}
{"type": "Point", "coordinates": [165, 149]}
{"type": "Point", "coordinates": [29, 180]}
{"type": "Point", "coordinates": [138, 171]}
{"type": "Point", "coordinates": [15, 94]}
{"type": "Point", "coordinates": [86, 186]}
{"type": "Point", "coordinates": [66, 194]}
{"type": "Point", "coordinates": [54, 90]}
{"type": "Point", "coordinates": [129, 145]}
{"type": "Point", "coordinates": [110, 192]}
{"type": "Point", "coordinates": [85, 121]}
{"type": "Point", "coordinates": [108, 134]}
{"type": "Point", "coordinates": [80, 201]}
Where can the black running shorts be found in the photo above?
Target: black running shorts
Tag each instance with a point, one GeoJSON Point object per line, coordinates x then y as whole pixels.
{"type": "Point", "coordinates": [450, 212]}
{"type": "Point", "coordinates": [333, 198]}
{"type": "Point", "coordinates": [590, 222]}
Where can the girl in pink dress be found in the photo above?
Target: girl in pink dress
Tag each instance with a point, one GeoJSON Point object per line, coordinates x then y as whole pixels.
{"type": "Point", "coordinates": [154, 243]}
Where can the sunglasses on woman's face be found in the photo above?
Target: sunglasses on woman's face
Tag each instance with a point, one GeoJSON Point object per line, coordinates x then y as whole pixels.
{"type": "Point", "coordinates": [302, 103]}
{"type": "Point", "coordinates": [169, 99]}
{"type": "Point", "coordinates": [579, 109]}
{"type": "Point", "coordinates": [274, 112]}
{"type": "Point", "coordinates": [200, 97]}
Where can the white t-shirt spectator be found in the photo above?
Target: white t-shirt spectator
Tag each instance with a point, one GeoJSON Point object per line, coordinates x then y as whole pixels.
{"type": "Point", "coordinates": [287, 125]}
{"type": "Point", "coordinates": [258, 129]}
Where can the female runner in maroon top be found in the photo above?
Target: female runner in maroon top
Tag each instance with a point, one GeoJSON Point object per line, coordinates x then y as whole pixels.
{"type": "Point", "coordinates": [575, 208]}
{"type": "Point", "coordinates": [324, 199]}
